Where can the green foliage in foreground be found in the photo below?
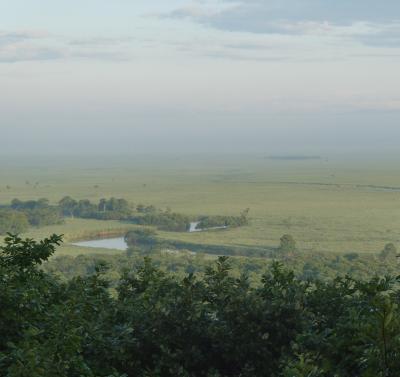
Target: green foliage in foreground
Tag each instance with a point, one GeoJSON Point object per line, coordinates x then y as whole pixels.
{"type": "Point", "coordinates": [218, 325]}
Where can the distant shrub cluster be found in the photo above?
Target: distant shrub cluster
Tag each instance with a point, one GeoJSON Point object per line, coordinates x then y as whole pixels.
{"type": "Point", "coordinates": [209, 222]}
{"type": "Point", "coordinates": [19, 215]}
{"type": "Point", "coordinates": [144, 237]}
{"type": "Point", "coordinates": [105, 209]}
{"type": "Point", "coordinates": [39, 213]}
{"type": "Point", "coordinates": [13, 221]}
{"type": "Point", "coordinates": [120, 209]}
{"type": "Point", "coordinates": [164, 220]}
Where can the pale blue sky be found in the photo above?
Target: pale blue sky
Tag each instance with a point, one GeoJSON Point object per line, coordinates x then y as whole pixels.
{"type": "Point", "coordinates": [205, 75]}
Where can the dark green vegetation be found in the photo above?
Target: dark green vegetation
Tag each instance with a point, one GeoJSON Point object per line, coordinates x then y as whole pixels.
{"type": "Point", "coordinates": [163, 220]}
{"type": "Point", "coordinates": [39, 212]}
{"type": "Point", "coordinates": [13, 221]}
{"type": "Point", "coordinates": [211, 324]}
{"type": "Point", "coordinates": [19, 215]}
{"type": "Point", "coordinates": [208, 222]}
{"type": "Point", "coordinates": [105, 209]}
{"type": "Point", "coordinates": [176, 222]}
{"type": "Point", "coordinates": [120, 209]}
{"type": "Point", "coordinates": [179, 260]}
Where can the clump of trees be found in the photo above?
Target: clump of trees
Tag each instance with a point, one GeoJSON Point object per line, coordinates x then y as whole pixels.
{"type": "Point", "coordinates": [13, 222]}
{"type": "Point", "coordinates": [141, 208]}
{"type": "Point", "coordinates": [163, 220]}
{"type": "Point", "coordinates": [287, 247]}
{"type": "Point", "coordinates": [209, 222]}
{"type": "Point", "coordinates": [39, 213]}
{"type": "Point", "coordinates": [19, 215]}
{"type": "Point", "coordinates": [218, 324]}
{"type": "Point", "coordinates": [105, 209]}
{"type": "Point", "coordinates": [143, 238]}
{"type": "Point", "coordinates": [389, 252]}
{"type": "Point", "coordinates": [176, 222]}
{"type": "Point", "coordinates": [120, 209]}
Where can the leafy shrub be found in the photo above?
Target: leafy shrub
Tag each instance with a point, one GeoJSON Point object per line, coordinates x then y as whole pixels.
{"type": "Point", "coordinates": [13, 222]}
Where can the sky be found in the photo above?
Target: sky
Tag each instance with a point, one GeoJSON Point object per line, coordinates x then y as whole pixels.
{"type": "Point", "coordinates": [199, 76]}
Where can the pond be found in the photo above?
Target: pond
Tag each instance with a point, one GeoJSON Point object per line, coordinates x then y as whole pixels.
{"type": "Point", "coordinates": [106, 243]}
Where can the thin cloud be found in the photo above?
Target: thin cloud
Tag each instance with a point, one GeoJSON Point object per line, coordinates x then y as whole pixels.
{"type": "Point", "coordinates": [303, 17]}
{"type": "Point", "coordinates": [11, 38]}
{"type": "Point", "coordinates": [100, 41]}
{"type": "Point", "coordinates": [28, 53]}
{"type": "Point", "coordinates": [21, 46]}
{"type": "Point", "coordinates": [17, 46]}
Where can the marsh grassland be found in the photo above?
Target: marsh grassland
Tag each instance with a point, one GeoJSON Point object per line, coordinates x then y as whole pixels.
{"type": "Point", "coordinates": [329, 206]}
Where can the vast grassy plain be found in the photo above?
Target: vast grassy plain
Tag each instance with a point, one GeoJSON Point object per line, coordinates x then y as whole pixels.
{"type": "Point", "coordinates": [328, 205]}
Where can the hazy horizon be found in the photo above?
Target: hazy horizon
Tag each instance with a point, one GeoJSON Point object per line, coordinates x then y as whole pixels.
{"type": "Point", "coordinates": [214, 76]}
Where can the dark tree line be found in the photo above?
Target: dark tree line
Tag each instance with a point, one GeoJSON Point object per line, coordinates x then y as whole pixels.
{"type": "Point", "coordinates": [19, 215]}
{"type": "Point", "coordinates": [41, 213]}
{"type": "Point", "coordinates": [164, 220]}
{"type": "Point", "coordinates": [120, 209]}
{"type": "Point", "coordinates": [209, 222]}
{"type": "Point", "coordinates": [105, 209]}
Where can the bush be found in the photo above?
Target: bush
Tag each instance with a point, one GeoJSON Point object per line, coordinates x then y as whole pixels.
{"type": "Point", "coordinates": [168, 221]}
{"type": "Point", "coordinates": [209, 222]}
{"type": "Point", "coordinates": [13, 222]}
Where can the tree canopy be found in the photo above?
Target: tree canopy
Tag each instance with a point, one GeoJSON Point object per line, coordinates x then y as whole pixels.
{"type": "Point", "coordinates": [217, 324]}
